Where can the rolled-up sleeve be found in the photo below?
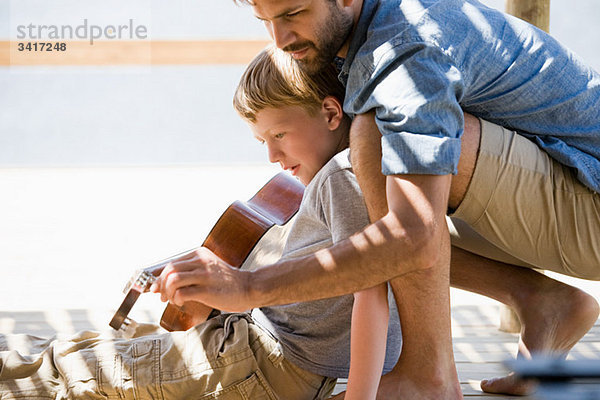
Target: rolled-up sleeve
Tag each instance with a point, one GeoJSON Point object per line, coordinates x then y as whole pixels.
{"type": "Point", "coordinates": [415, 90]}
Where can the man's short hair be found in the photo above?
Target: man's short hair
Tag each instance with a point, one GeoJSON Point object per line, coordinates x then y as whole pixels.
{"type": "Point", "coordinates": [251, 2]}
{"type": "Point", "coordinates": [274, 79]}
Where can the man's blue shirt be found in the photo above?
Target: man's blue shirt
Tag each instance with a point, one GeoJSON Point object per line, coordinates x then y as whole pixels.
{"type": "Point", "coordinates": [419, 63]}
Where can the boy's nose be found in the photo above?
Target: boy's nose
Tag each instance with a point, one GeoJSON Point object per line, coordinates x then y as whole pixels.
{"type": "Point", "coordinates": [274, 154]}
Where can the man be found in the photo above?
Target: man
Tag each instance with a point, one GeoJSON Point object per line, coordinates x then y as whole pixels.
{"type": "Point", "coordinates": [411, 67]}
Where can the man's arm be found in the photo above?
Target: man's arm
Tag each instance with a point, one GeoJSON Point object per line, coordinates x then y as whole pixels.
{"type": "Point", "coordinates": [406, 239]}
{"type": "Point", "coordinates": [365, 154]}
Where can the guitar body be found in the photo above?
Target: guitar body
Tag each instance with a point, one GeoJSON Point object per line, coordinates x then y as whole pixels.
{"type": "Point", "coordinates": [233, 237]}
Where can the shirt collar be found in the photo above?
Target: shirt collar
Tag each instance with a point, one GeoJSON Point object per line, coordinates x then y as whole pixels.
{"type": "Point", "coordinates": [359, 36]}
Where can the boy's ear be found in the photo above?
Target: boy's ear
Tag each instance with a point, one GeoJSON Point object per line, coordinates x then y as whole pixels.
{"type": "Point", "coordinates": [333, 112]}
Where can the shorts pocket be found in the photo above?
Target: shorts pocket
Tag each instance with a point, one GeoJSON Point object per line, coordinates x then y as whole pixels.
{"type": "Point", "coordinates": [132, 371]}
{"type": "Point", "coordinates": [255, 387]}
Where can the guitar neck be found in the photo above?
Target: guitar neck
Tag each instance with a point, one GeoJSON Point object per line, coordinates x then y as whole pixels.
{"type": "Point", "coordinates": [157, 268]}
{"type": "Point", "coordinates": [232, 238]}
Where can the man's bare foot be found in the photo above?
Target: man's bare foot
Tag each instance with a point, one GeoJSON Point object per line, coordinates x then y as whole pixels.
{"type": "Point", "coordinates": [399, 385]}
{"type": "Point", "coordinates": [509, 384]}
{"type": "Point", "coordinates": [552, 322]}
{"type": "Point", "coordinates": [402, 385]}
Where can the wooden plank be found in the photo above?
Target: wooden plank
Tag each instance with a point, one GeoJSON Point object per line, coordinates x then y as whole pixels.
{"type": "Point", "coordinates": [483, 330]}
{"type": "Point", "coordinates": [134, 52]}
{"type": "Point", "coordinates": [473, 315]}
{"type": "Point", "coordinates": [46, 323]}
{"type": "Point", "coordinates": [472, 356]}
{"type": "Point", "coordinates": [483, 352]}
{"type": "Point", "coordinates": [478, 371]}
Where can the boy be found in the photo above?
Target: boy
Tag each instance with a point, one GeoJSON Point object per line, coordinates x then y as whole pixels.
{"type": "Point", "coordinates": [300, 120]}
{"type": "Point", "coordinates": [292, 352]}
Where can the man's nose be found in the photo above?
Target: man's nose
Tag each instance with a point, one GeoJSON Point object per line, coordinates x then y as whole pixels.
{"type": "Point", "coordinates": [281, 34]}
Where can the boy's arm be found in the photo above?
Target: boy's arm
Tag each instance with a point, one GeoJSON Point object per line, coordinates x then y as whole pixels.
{"type": "Point", "coordinates": [368, 342]}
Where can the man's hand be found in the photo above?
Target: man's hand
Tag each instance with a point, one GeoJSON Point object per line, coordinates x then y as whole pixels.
{"type": "Point", "coordinates": [203, 277]}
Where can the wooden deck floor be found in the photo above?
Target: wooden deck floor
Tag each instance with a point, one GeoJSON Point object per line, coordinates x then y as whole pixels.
{"type": "Point", "coordinates": [480, 348]}
{"type": "Point", "coordinates": [62, 257]}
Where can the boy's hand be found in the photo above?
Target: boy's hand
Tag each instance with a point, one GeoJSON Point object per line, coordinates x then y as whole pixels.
{"type": "Point", "coordinates": [203, 277]}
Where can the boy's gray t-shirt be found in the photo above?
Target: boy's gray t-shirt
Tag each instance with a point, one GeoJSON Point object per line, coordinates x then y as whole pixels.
{"type": "Point", "coordinates": [315, 335]}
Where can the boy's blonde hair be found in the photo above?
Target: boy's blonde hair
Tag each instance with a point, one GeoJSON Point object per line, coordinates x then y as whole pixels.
{"type": "Point", "coordinates": [274, 79]}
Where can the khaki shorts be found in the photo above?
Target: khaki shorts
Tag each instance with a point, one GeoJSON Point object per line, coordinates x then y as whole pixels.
{"type": "Point", "coordinates": [524, 208]}
{"type": "Point", "coordinates": [227, 357]}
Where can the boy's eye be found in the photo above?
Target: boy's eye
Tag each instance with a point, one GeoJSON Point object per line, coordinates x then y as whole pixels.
{"type": "Point", "coordinates": [280, 135]}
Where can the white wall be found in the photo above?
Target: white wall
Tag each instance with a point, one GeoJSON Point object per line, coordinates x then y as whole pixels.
{"type": "Point", "coordinates": [163, 114]}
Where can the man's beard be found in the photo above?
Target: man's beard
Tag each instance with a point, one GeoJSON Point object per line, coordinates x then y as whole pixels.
{"type": "Point", "coordinates": [331, 36]}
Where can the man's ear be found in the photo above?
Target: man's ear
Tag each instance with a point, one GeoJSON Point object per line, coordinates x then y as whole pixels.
{"type": "Point", "coordinates": [332, 110]}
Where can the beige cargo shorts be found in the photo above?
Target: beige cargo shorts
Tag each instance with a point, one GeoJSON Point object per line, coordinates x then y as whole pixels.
{"type": "Point", "coordinates": [227, 357]}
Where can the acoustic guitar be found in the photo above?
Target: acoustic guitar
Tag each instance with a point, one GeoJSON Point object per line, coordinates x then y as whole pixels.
{"type": "Point", "coordinates": [233, 238]}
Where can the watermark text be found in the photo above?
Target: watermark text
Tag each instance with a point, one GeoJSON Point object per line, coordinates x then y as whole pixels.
{"type": "Point", "coordinates": [85, 31]}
